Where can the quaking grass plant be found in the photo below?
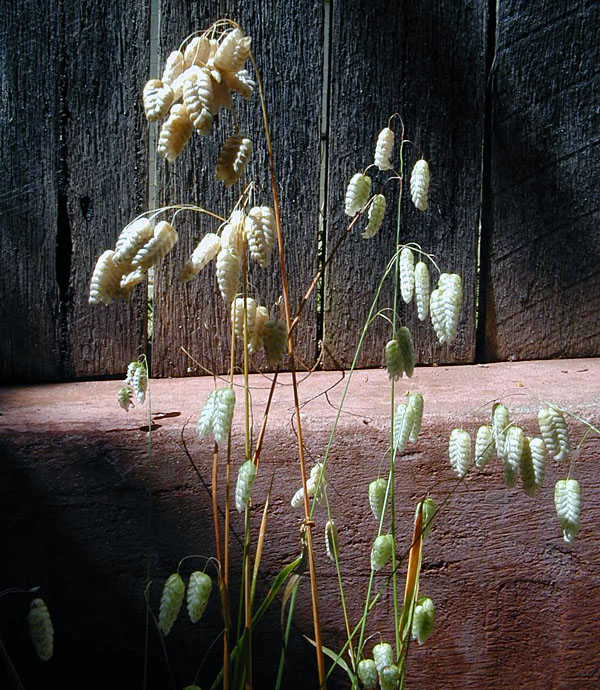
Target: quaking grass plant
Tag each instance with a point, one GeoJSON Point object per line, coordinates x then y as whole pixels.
{"type": "Point", "coordinates": [205, 76]}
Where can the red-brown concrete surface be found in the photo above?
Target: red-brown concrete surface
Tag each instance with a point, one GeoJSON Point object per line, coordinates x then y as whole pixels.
{"type": "Point", "coordinates": [515, 606]}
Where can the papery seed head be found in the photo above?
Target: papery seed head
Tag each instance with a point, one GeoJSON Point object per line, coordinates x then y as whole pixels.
{"type": "Point", "coordinates": [537, 447]}
{"type": "Point", "coordinates": [526, 467]}
{"type": "Point", "coordinates": [173, 67]}
{"type": "Point", "coordinates": [241, 82]}
{"type": "Point", "coordinates": [132, 238]}
{"type": "Point", "coordinates": [567, 500]}
{"type": "Point", "coordinates": [245, 482]}
{"type": "Point", "coordinates": [357, 193]}
{"type": "Point", "coordinates": [198, 101]}
{"type": "Point", "coordinates": [233, 51]}
{"type": "Point", "coordinates": [158, 98]}
{"type": "Point", "coordinates": [383, 149]}
{"type": "Point", "coordinates": [260, 234]}
{"type": "Point", "coordinates": [140, 384]}
{"type": "Point", "coordinates": [155, 249]}
{"type": "Point", "coordinates": [240, 318]}
{"type": "Point", "coordinates": [106, 279]}
{"type": "Point", "coordinates": [422, 290]}
{"type": "Point", "coordinates": [500, 422]}
{"type": "Point", "coordinates": [407, 274]}
{"type": "Point", "coordinates": [228, 271]}
{"type": "Point", "coordinates": [415, 400]}
{"type": "Point", "coordinates": [174, 133]}
{"type": "Point", "coordinates": [204, 426]}
{"type": "Point", "coordinates": [562, 433]}
{"type": "Point", "coordinates": [377, 489]}
{"type": "Point", "coordinates": [206, 250]}
{"type": "Point", "coordinates": [178, 84]}
{"type": "Point", "coordinates": [256, 337]}
{"type": "Point", "coordinates": [548, 431]}
{"type": "Point", "coordinates": [419, 184]}
{"type": "Point", "coordinates": [223, 414]}
{"type": "Point", "coordinates": [233, 159]}
{"type": "Point", "coordinates": [124, 398]}
{"type": "Point", "coordinates": [459, 450]}
{"type": "Point", "coordinates": [403, 423]}
{"type": "Point", "coordinates": [375, 216]}
{"type": "Point", "coordinates": [170, 602]}
{"type": "Point", "coordinates": [381, 552]}
{"type": "Point", "coordinates": [198, 593]}
{"type": "Point", "coordinates": [513, 452]}
{"type": "Point", "coordinates": [197, 51]}
{"type": "Point", "coordinates": [485, 447]}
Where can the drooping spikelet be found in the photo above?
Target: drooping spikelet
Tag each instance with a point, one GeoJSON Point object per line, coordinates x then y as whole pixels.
{"type": "Point", "coordinates": [130, 280]}
{"type": "Point", "coordinates": [174, 133]}
{"type": "Point", "coordinates": [233, 159]}
{"type": "Point", "coordinates": [377, 489]}
{"type": "Point", "coordinates": [428, 508]}
{"type": "Point", "coordinates": [357, 193]}
{"type": "Point", "coordinates": [240, 319]}
{"type": "Point", "coordinates": [223, 414]}
{"type": "Point", "coordinates": [445, 304]}
{"type": "Point", "coordinates": [155, 250]}
{"type": "Point", "coordinates": [41, 629]}
{"type": "Point", "coordinates": [422, 290]}
{"type": "Point", "coordinates": [393, 360]}
{"type": "Point", "coordinates": [407, 350]}
{"type": "Point", "coordinates": [197, 52]}
{"type": "Point", "coordinates": [484, 446]}
{"type": "Point", "coordinates": [204, 426]}
{"type": "Point", "coordinates": [513, 452]}
{"type": "Point", "coordinates": [527, 471]}
{"type": "Point", "coordinates": [232, 234]}
{"type": "Point", "coordinates": [407, 274]}
{"type": "Point", "coordinates": [459, 450]}
{"type": "Point", "coordinates": [132, 367]}
{"type": "Point", "coordinates": [419, 184]}
{"type": "Point", "coordinates": [173, 67]}
{"type": "Point", "coordinates": [158, 98]}
{"type": "Point", "coordinates": [315, 486]}
{"type": "Point", "coordinates": [548, 431]}
{"type": "Point", "coordinates": [332, 540]}
{"type": "Point", "coordinates": [537, 448]}
{"type": "Point", "coordinates": [381, 552]}
{"type": "Point", "coordinates": [106, 279]}
{"type": "Point", "coordinates": [383, 149]}
{"type": "Point", "coordinates": [233, 51]}
{"type": "Point", "coordinates": [198, 100]}
{"type": "Point", "coordinates": [389, 677]}
{"type": "Point", "coordinates": [567, 499]}
{"type": "Point", "coordinates": [229, 268]}
{"type": "Point", "coordinates": [198, 593]}
{"type": "Point", "coordinates": [423, 619]}
{"type": "Point", "coordinates": [415, 400]}
{"type": "Point", "coordinates": [367, 672]}
{"type": "Point", "coordinates": [140, 383]}
{"type": "Point", "coordinates": [275, 340]}
{"type": "Point", "coordinates": [245, 482]}
{"type": "Point", "coordinates": [500, 422]}
{"type": "Point", "coordinates": [241, 82]}
{"type": "Point", "coordinates": [170, 602]}
{"type": "Point", "coordinates": [562, 433]}
{"type": "Point", "coordinates": [124, 398]}
{"type": "Point", "coordinates": [206, 250]}
{"type": "Point", "coordinates": [260, 234]}
{"type": "Point", "coordinates": [178, 84]}
{"type": "Point", "coordinates": [256, 337]}
{"type": "Point", "coordinates": [382, 654]}
{"type": "Point", "coordinates": [403, 423]}
{"type": "Point", "coordinates": [375, 216]}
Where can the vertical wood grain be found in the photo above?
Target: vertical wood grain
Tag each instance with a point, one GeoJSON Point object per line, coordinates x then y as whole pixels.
{"type": "Point", "coordinates": [543, 285]}
{"type": "Point", "coordinates": [286, 42]}
{"type": "Point", "coordinates": [425, 61]}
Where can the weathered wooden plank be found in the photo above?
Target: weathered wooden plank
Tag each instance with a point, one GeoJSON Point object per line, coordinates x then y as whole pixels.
{"type": "Point", "coordinates": [28, 131]}
{"type": "Point", "coordinates": [102, 173]}
{"type": "Point", "coordinates": [426, 62]}
{"type": "Point", "coordinates": [194, 315]}
{"type": "Point", "coordinates": [543, 287]}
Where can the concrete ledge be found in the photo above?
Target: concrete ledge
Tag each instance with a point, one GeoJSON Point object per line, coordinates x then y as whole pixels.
{"type": "Point", "coordinates": [515, 605]}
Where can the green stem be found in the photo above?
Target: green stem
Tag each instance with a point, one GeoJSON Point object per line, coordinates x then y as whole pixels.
{"type": "Point", "coordinates": [286, 636]}
{"type": "Point", "coordinates": [149, 555]}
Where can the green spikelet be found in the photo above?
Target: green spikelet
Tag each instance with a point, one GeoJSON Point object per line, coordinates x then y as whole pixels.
{"type": "Point", "coordinates": [527, 473]}
{"type": "Point", "coordinates": [415, 400]}
{"type": "Point", "coordinates": [275, 339]}
{"type": "Point", "coordinates": [332, 540]}
{"type": "Point", "coordinates": [206, 416]}
{"type": "Point", "coordinates": [124, 398]}
{"type": "Point", "coordinates": [422, 290]}
{"type": "Point", "coordinates": [389, 677]}
{"type": "Point", "coordinates": [407, 274]}
{"type": "Point", "coordinates": [567, 499]}
{"type": "Point", "coordinates": [428, 513]}
{"type": "Point", "coordinates": [513, 452]}
{"type": "Point", "coordinates": [500, 421]}
{"type": "Point", "coordinates": [407, 350]}
{"type": "Point", "coordinates": [485, 446]}
{"type": "Point", "coordinates": [562, 433]}
{"type": "Point", "coordinates": [245, 482]}
{"type": "Point", "coordinates": [459, 450]}
{"type": "Point", "coordinates": [40, 629]}
{"type": "Point", "coordinates": [383, 655]}
{"type": "Point", "coordinates": [376, 213]}
{"type": "Point", "coordinates": [367, 672]}
{"type": "Point", "coordinates": [377, 496]}
{"type": "Point", "coordinates": [357, 193]}
{"type": "Point", "coordinates": [538, 458]}
{"type": "Point", "coordinates": [170, 602]}
{"type": "Point", "coordinates": [381, 551]}
{"type": "Point", "coordinates": [224, 404]}
{"type": "Point", "coordinates": [403, 423]}
{"type": "Point", "coordinates": [199, 588]}
{"type": "Point", "coordinates": [423, 619]}
{"type": "Point", "coordinates": [393, 360]}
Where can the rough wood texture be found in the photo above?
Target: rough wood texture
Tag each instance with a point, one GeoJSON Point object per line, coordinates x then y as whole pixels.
{"type": "Point", "coordinates": [515, 605]}
{"type": "Point", "coordinates": [426, 62]}
{"type": "Point", "coordinates": [75, 174]}
{"type": "Point", "coordinates": [543, 288]}
{"type": "Point", "coordinates": [286, 42]}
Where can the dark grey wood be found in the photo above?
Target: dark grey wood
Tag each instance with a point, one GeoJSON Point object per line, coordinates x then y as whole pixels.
{"type": "Point", "coordinates": [543, 286]}
{"type": "Point", "coordinates": [287, 43]}
{"type": "Point", "coordinates": [425, 61]}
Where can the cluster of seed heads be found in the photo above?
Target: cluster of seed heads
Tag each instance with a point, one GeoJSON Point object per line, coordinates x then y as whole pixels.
{"type": "Point", "coordinates": [380, 671]}
{"type": "Point", "coordinates": [217, 415]}
{"type": "Point", "coordinates": [195, 84]}
{"type": "Point", "coordinates": [199, 588]}
{"type": "Point", "coordinates": [135, 384]}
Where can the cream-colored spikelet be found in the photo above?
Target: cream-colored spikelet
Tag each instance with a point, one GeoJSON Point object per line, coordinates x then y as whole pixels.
{"type": "Point", "coordinates": [375, 215]}
{"type": "Point", "coordinates": [393, 360]}
{"type": "Point", "coordinates": [332, 540]}
{"type": "Point", "coordinates": [415, 401]}
{"type": "Point", "coordinates": [197, 52]}
{"type": "Point", "coordinates": [548, 431]}
{"type": "Point", "coordinates": [132, 238]}
{"type": "Point", "coordinates": [357, 193]}
{"type": "Point", "coordinates": [232, 233]}
{"type": "Point", "coordinates": [275, 340]}
{"type": "Point", "coordinates": [155, 250]}
{"type": "Point", "coordinates": [485, 447]}
{"type": "Point", "coordinates": [132, 367]}
{"type": "Point", "coordinates": [106, 279]}
{"type": "Point", "coordinates": [527, 471]}
{"type": "Point", "coordinates": [233, 159]}
{"type": "Point", "coordinates": [422, 290]}
{"type": "Point", "coordinates": [241, 82]}
{"type": "Point", "coordinates": [243, 487]}
{"type": "Point", "coordinates": [124, 398]}
{"type": "Point", "coordinates": [198, 101]}
{"type": "Point", "coordinates": [315, 486]}
{"type": "Point", "coordinates": [233, 51]}
{"type": "Point", "coordinates": [198, 594]}
{"type": "Point", "coordinates": [500, 422]}
{"type": "Point", "coordinates": [367, 673]}
{"type": "Point", "coordinates": [158, 98]}
{"type": "Point", "coordinates": [131, 279]}
{"type": "Point", "coordinates": [41, 629]}
{"type": "Point", "coordinates": [419, 184]}
{"type": "Point", "coordinates": [140, 384]}
{"type": "Point", "coordinates": [377, 489]}
{"type": "Point", "coordinates": [260, 234]}
{"type": "Point", "coordinates": [389, 677]}
{"type": "Point", "coordinates": [381, 552]}
{"type": "Point", "coordinates": [459, 450]}
{"type": "Point", "coordinates": [239, 318]}
{"type": "Point", "coordinates": [217, 414]}
{"type": "Point", "coordinates": [221, 94]}
{"type": "Point", "coordinates": [382, 654]}
{"type": "Point", "coordinates": [229, 268]}
{"type": "Point", "coordinates": [407, 350]}
{"type": "Point", "coordinates": [178, 84]}
{"type": "Point", "coordinates": [174, 133]}
{"type": "Point", "coordinates": [403, 423]}
{"type": "Point", "coordinates": [256, 337]}
{"type": "Point", "coordinates": [174, 66]}
{"type": "Point", "coordinates": [383, 149]}
{"type": "Point", "coordinates": [537, 448]}
{"type": "Point", "coordinates": [423, 619]}
{"type": "Point", "coordinates": [170, 602]}
{"type": "Point", "coordinates": [562, 433]}
{"type": "Point", "coordinates": [407, 274]}
{"type": "Point", "coordinates": [445, 304]}
{"type": "Point", "coordinates": [513, 453]}
{"type": "Point", "coordinates": [206, 250]}
{"type": "Point", "coordinates": [567, 500]}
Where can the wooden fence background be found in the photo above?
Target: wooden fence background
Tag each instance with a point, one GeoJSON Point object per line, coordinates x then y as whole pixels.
{"type": "Point", "coordinates": [501, 96]}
